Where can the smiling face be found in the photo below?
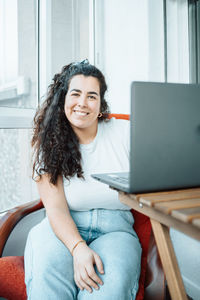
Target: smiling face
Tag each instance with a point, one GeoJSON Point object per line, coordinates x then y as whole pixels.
{"type": "Point", "coordinates": [82, 103]}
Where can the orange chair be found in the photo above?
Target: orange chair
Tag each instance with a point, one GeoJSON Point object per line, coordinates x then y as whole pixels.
{"type": "Point", "coordinates": [12, 286]}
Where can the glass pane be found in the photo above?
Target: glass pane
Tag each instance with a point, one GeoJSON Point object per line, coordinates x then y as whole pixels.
{"type": "Point", "coordinates": [64, 37]}
{"type": "Point", "coordinates": [70, 32]}
{"type": "Point", "coordinates": [18, 53]}
{"type": "Point", "coordinates": [15, 180]}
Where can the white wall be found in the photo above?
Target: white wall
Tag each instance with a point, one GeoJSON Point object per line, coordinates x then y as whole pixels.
{"type": "Point", "coordinates": [155, 41]}
{"type": "Point", "coordinates": [129, 46]}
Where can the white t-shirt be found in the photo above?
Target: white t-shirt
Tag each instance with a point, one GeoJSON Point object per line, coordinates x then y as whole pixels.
{"type": "Point", "coordinates": [108, 152]}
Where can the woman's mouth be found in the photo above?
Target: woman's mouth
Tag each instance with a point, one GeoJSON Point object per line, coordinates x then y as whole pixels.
{"type": "Point", "coordinates": [80, 113]}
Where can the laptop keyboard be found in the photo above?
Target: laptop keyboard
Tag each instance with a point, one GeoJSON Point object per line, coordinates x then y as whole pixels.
{"type": "Point", "coordinates": [120, 179]}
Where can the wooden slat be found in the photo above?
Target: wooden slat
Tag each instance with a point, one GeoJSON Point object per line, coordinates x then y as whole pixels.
{"type": "Point", "coordinates": [167, 207]}
{"type": "Point", "coordinates": [186, 215]}
{"type": "Point", "coordinates": [169, 262]}
{"type": "Point", "coordinates": [151, 200]}
{"type": "Point", "coordinates": [187, 228]}
{"type": "Point", "coordinates": [154, 195]}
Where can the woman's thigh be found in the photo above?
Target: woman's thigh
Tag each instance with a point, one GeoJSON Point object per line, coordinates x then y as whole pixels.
{"type": "Point", "coordinates": [121, 255]}
{"type": "Point", "coordinates": [48, 265]}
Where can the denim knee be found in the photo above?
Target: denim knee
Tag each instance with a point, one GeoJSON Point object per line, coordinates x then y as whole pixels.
{"type": "Point", "coordinates": [116, 289]}
{"type": "Point", "coordinates": [121, 256]}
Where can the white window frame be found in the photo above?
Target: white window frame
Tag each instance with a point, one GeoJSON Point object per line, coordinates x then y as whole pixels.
{"type": "Point", "coordinates": [44, 46]}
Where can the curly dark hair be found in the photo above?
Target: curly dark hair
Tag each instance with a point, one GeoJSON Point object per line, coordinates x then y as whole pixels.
{"type": "Point", "coordinates": [55, 144]}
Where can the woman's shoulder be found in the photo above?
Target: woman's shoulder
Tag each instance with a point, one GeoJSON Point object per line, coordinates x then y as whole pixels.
{"type": "Point", "coordinates": [116, 130]}
{"type": "Point", "coordinates": [116, 124]}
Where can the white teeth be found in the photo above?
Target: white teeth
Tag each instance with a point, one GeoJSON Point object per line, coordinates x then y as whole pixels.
{"type": "Point", "coordinates": [80, 113]}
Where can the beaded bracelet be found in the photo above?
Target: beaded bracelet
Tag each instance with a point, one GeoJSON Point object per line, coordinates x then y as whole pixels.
{"type": "Point", "coordinates": [81, 241]}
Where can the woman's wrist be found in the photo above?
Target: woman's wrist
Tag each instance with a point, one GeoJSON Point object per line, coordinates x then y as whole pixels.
{"type": "Point", "coordinates": [79, 242]}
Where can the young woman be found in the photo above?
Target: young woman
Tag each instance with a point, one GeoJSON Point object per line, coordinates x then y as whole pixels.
{"type": "Point", "coordinates": [86, 247]}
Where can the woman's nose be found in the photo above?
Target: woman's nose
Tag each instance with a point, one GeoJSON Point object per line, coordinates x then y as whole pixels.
{"type": "Point", "coordinates": [82, 100]}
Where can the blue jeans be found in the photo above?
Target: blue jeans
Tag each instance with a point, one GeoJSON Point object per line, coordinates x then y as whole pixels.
{"type": "Point", "coordinates": [49, 265]}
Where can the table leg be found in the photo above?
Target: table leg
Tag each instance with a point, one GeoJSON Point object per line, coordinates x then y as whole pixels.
{"type": "Point", "coordinates": [169, 262]}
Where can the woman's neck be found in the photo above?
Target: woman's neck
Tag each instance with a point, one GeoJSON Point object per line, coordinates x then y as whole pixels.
{"type": "Point", "coordinates": [86, 135]}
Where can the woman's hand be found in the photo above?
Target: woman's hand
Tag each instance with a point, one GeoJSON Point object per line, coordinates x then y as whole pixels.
{"type": "Point", "coordinates": [84, 273]}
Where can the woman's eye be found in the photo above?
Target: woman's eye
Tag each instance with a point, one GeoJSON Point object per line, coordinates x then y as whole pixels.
{"type": "Point", "coordinates": [92, 97]}
{"type": "Point", "coordinates": [75, 94]}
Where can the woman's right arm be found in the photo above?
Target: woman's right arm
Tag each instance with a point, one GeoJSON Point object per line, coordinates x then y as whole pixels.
{"type": "Point", "coordinates": [53, 198]}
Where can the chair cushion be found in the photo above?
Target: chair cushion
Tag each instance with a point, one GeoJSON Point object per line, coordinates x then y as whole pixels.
{"type": "Point", "coordinates": [12, 284]}
{"type": "Point", "coordinates": [142, 227]}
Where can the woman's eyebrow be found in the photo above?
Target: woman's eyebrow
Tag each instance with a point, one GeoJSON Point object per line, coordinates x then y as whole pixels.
{"type": "Point", "coordinates": [79, 91]}
{"type": "Point", "coordinates": [75, 90]}
{"type": "Point", "coordinates": [93, 93]}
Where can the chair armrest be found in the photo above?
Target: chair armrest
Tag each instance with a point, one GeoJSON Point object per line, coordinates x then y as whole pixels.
{"type": "Point", "coordinates": [12, 217]}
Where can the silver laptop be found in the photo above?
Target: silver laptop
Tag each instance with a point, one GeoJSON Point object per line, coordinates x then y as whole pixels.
{"type": "Point", "coordinates": [165, 139]}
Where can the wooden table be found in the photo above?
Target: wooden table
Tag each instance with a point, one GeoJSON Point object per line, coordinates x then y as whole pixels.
{"type": "Point", "coordinates": [178, 209]}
